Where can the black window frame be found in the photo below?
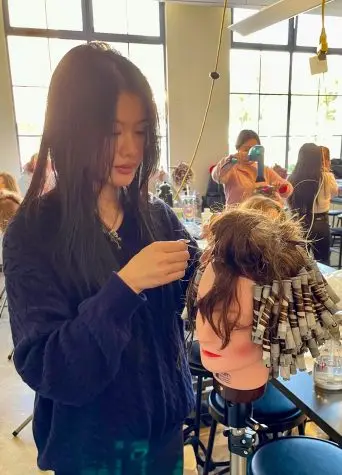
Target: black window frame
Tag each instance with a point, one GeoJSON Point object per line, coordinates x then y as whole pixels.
{"type": "Point", "coordinates": [88, 34]}
{"type": "Point", "coordinates": [291, 47]}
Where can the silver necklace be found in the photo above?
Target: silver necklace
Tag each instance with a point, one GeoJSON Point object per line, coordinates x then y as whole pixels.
{"type": "Point", "coordinates": [112, 233]}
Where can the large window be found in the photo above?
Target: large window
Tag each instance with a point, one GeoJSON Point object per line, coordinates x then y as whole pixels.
{"type": "Point", "coordinates": [273, 92]}
{"type": "Point", "coordinates": [40, 32]}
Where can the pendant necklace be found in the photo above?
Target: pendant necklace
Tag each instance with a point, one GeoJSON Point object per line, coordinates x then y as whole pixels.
{"type": "Point", "coordinates": [112, 234]}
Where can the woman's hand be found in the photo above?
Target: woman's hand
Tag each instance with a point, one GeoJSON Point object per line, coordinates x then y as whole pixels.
{"type": "Point", "coordinates": [158, 264]}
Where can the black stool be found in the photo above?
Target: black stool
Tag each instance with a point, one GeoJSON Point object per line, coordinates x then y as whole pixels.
{"type": "Point", "coordinates": [273, 411]}
{"type": "Point", "coordinates": [337, 232]}
{"type": "Point", "coordinates": [194, 424]}
{"type": "Point", "coordinates": [334, 213]}
{"type": "Point", "coordinates": [297, 455]}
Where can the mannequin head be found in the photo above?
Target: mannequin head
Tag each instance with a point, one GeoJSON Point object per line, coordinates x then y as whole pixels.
{"type": "Point", "coordinates": [258, 300]}
{"type": "Point", "coordinates": [242, 244]}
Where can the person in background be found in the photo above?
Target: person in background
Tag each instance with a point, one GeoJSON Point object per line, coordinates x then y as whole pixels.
{"type": "Point", "coordinates": [282, 172]}
{"type": "Point", "coordinates": [239, 178]}
{"type": "Point", "coordinates": [96, 277]}
{"type": "Point", "coordinates": [27, 175]}
{"type": "Point", "coordinates": [314, 186]}
{"type": "Point", "coordinates": [9, 205]}
{"type": "Point", "coordinates": [8, 182]}
{"type": "Point", "coordinates": [265, 205]}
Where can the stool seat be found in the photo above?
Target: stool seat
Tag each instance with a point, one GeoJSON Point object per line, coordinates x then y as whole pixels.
{"type": "Point", "coordinates": [334, 212]}
{"type": "Point", "coordinates": [336, 231]}
{"type": "Point", "coordinates": [274, 410]}
{"type": "Point", "coordinates": [297, 455]}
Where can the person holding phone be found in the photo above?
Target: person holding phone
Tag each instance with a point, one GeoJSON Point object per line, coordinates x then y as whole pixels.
{"type": "Point", "coordinates": [239, 176]}
{"type": "Point", "coordinates": [96, 275]}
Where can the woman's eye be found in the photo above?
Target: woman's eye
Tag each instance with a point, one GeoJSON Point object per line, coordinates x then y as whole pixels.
{"type": "Point", "coordinates": [141, 132]}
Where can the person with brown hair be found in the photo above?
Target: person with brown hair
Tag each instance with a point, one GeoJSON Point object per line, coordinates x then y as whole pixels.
{"type": "Point", "coordinates": [238, 174]}
{"type": "Point", "coordinates": [314, 186]}
{"type": "Point", "coordinates": [9, 205]}
{"type": "Point", "coordinates": [256, 278]}
{"type": "Point", "coordinates": [8, 182]}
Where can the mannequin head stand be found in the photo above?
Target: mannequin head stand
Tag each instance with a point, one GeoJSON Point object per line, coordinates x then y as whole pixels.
{"type": "Point", "coordinates": [242, 428]}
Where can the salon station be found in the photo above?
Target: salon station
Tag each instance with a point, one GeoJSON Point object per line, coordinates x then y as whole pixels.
{"type": "Point", "coordinates": [249, 97]}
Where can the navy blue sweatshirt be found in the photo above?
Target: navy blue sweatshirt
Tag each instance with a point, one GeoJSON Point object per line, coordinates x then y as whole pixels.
{"type": "Point", "coordinates": [108, 369]}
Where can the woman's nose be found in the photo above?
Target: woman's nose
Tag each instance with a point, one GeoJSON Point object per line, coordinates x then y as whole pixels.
{"type": "Point", "coordinates": [128, 145]}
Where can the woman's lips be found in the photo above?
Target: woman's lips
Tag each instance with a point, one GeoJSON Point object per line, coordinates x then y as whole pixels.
{"type": "Point", "coordinates": [209, 354]}
{"type": "Point", "coordinates": [125, 170]}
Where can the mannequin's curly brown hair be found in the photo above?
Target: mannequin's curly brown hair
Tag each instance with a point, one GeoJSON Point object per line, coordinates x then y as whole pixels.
{"type": "Point", "coordinates": [246, 243]}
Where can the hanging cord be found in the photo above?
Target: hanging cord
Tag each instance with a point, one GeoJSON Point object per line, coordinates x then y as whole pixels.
{"type": "Point", "coordinates": [214, 75]}
{"type": "Point", "coordinates": [323, 40]}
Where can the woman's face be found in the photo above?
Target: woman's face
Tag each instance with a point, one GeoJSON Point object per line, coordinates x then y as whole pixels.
{"type": "Point", "coordinates": [130, 136]}
{"type": "Point", "coordinates": [244, 149]}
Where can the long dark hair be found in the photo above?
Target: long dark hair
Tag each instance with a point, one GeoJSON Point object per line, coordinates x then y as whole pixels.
{"type": "Point", "coordinates": [78, 137]}
{"type": "Point", "coordinates": [245, 243]}
{"type": "Point", "coordinates": [306, 179]}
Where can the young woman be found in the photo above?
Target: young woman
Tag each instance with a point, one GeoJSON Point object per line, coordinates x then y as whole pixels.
{"type": "Point", "coordinates": [239, 178]}
{"type": "Point", "coordinates": [314, 186]}
{"type": "Point", "coordinates": [96, 277]}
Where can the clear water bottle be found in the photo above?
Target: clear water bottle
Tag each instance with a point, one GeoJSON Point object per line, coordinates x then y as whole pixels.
{"type": "Point", "coordinates": [327, 370]}
{"type": "Point", "coordinates": [189, 207]}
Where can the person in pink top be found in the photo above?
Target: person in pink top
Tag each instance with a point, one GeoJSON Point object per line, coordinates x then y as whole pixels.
{"type": "Point", "coordinates": [239, 179]}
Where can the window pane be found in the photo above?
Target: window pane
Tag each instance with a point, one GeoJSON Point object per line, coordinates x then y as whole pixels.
{"type": "Point", "coordinates": [29, 60]}
{"type": "Point", "coordinates": [27, 147]}
{"type": "Point", "coordinates": [273, 115]}
{"type": "Point", "coordinates": [275, 34]}
{"type": "Point", "coordinates": [331, 82]}
{"type": "Point", "coordinates": [110, 16]}
{"type": "Point", "coordinates": [150, 59]}
{"type": "Point", "coordinates": [334, 145]}
{"type": "Point", "coordinates": [244, 114]}
{"type": "Point", "coordinates": [302, 80]}
{"type": "Point", "coordinates": [309, 30]}
{"type": "Point", "coordinates": [275, 70]}
{"type": "Point", "coordinates": [143, 17]}
{"type": "Point", "coordinates": [304, 115]}
{"type": "Point", "coordinates": [46, 14]}
{"type": "Point", "coordinates": [330, 115]}
{"type": "Point", "coordinates": [163, 153]}
{"type": "Point", "coordinates": [64, 14]}
{"type": "Point", "coordinates": [59, 48]}
{"type": "Point", "coordinates": [275, 150]}
{"type": "Point", "coordinates": [121, 48]}
{"type": "Point", "coordinates": [30, 105]}
{"type": "Point", "coordinates": [29, 14]}
{"type": "Point", "coordinates": [241, 63]}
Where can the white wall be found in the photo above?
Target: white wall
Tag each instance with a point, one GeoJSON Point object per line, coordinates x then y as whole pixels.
{"type": "Point", "coordinates": [192, 34]}
{"type": "Point", "coordinates": [9, 154]}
